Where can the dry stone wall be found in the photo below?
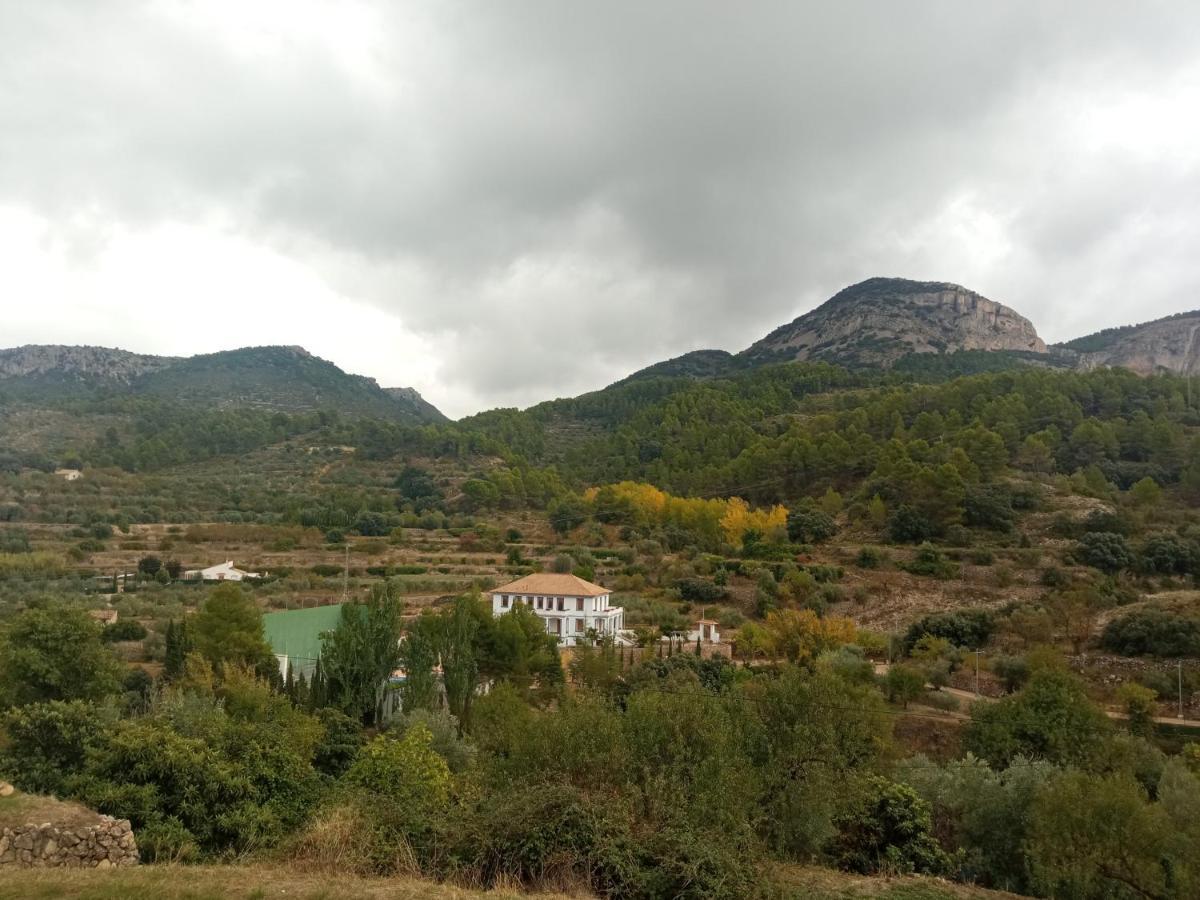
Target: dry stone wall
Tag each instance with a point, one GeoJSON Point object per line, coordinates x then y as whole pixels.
{"type": "Point", "coordinates": [107, 843]}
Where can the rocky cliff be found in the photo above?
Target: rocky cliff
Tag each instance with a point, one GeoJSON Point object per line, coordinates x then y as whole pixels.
{"type": "Point", "coordinates": [880, 320]}
{"type": "Point", "coordinates": [101, 364]}
{"type": "Point", "coordinates": [1165, 345]}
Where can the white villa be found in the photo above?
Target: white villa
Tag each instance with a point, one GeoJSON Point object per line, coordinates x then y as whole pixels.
{"type": "Point", "coordinates": [569, 605]}
{"type": "Point", "coordinates": [225, 571]}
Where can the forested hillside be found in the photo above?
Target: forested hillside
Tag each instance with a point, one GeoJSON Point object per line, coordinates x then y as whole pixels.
{"type": "Point", "coordinates": [955, 599]}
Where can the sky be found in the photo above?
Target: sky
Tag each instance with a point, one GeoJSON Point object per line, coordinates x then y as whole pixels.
{"type": "Point", "coordinates": [501, 203]}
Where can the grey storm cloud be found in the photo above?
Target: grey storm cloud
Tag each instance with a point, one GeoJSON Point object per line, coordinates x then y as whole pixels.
{"type": "Point", "coordinates": [555, 193]}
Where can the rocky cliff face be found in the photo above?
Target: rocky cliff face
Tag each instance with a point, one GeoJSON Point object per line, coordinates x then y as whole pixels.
{"type": "Point", "coordinates": [1165, 345]}
{"type": "Point", "coordinates": [85, 363]}
{"type": "Point", "coordinates": [880, 320]}
{"type": "Point", "coordinates": [411, 400]}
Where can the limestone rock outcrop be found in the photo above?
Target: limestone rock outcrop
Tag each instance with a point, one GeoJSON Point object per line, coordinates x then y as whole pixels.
{"type": "Point", "coordinates": [878, 321]}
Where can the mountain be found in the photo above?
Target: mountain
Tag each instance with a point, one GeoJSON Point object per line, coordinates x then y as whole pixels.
{"type": "Point", "coordinates": [696, 364]}
{"type": "Point", "coordinates": [1171, 344]}
{"type": "Point", "coordinates": [287, 379]}
{"type": "Point", "coordinates": [879, 321]}
{"type": "Point", "coordinates": [37, 371]}
{"type": "Point", "coordinates": [411, 400]}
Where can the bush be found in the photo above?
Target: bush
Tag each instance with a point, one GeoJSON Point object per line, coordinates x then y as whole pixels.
{"type": "Point", "coordinates": [931, 562]}
{"type": "Point", "coordinates": [149, 565]}
{"type": "Point", "coordinates": [325, 570]}
{"type": "Point", "coordinates": [808, 525]}
{"type": "Point", "coordinates": [970, 628]}
{"type": "Point", "coordinates": [699, 590]}
{"type": "Point", "coordinates": [1054, 577]}
{"type": "Point", "coordinates": [871, 558]}
{"type": "Point", "coordinates": [890, 829]}
{"type": "Point", "coordinates": [989, 506]}
{"type": "Point", "coordinates": [1152, 632]}
{"type": "Point", "coordinates": [47, 743]}
{"type": "Point", "coordinates": [407, 774]}
{"type": "Point", "coordinates": [14, 540]}
{"type": "Point", "coordinates": [907, 526]}
{"type": "Point", "coordinates": [1104, 550]}
{"type": "Point", "coordinates": [1166, 554]}
{"type": "Point", "coordinates": [123, 630]}
{"type": "Point", "coordinates": [1051, 719]}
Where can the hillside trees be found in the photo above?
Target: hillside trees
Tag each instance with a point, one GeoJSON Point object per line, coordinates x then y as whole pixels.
{"type": "Point", "coordinates": [1050, 719]}
{"type": "Point", "coordinates": [228, 630]}
{"type": "Point", "coordinates": [360, 654]}
{"type": "Point", "coordinates": [55, 652]}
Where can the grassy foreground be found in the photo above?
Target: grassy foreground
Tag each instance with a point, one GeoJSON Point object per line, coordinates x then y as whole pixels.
{"type": "Point", "coordinates": [813, 883]}
{"type": "Point", "coordinates": [249, 882]}
{"type": "Point", "coordinates": [258, 882]}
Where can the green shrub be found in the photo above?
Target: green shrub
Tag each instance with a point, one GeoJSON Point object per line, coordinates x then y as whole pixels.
{"type": "Point", "coordinates": [1152, 632]}
{"type": "Point", "coordinates": [970, 628]}
{"type": "Point", "coordinates": [1167, 554]}
{"type": "Point", "coordinates": [47, 743]}
{"type": "Point", "coordinates": [123, 630]}
{"type": "Point", "coordinates": [871, 558]}
{"type": "Point", "coordinates": [931, 562]}
{"type": "Point", "coordinates": [889, 829]}
{"type": "Point", "coordinates": [809, 525]}
{"type": "Point", "coordinates": [1104, 550]}
{"type": "Point", "coordinates": [699, 590]}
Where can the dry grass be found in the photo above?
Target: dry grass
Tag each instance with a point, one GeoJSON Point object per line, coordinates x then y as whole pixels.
{"type": "Point", "coordinates": [24, 809]}
{"type": "Point", "coordinates": [250, 882]}
{"type": "Point", "coordinates": [825, 884]}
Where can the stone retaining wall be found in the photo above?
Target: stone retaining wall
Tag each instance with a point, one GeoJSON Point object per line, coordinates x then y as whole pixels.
{"type": "Point", "coordinates": [107, 843]}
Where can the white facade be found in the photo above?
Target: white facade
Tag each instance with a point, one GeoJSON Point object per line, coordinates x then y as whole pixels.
{"type": "Point", "coordinates": [225, 571]}
{"type": "Point", "coordinates": [707, 631]}
{"type": "Point", "coordinates": [567, 616]}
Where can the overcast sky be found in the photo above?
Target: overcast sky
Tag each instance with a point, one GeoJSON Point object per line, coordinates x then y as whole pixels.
{"type": "Point", "coordinates": [503, 202]}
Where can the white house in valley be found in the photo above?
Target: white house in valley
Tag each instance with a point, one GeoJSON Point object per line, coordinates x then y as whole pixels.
{"type": "Point", "coordinates": [225, 571]}
{"type": "Point", "coordinates": [569, 605]}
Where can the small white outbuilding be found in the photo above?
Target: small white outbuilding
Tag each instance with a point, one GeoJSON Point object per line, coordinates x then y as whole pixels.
{"type": "Point", "coordinates": [225, 571]}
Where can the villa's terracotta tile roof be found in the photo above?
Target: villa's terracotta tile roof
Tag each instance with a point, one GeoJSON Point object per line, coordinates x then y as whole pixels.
{"type": "Point", "coordinates": [552, 584]}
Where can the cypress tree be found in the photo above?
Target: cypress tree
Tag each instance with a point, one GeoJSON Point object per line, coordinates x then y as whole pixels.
{"type": "Point", "coordinates": [173, 659]}
{"type": "Point", "coordinates": [316, 688]}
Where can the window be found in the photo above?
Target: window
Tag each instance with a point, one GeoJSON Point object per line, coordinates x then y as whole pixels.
{"type": "Point", "coordinates": [579, 624]}
{"type": "Point", "coordinates": [579, 604]}
{"type": "Point", "coordinates": [561, 607]}
{"type": "Point", "coordinates": [539, 602]}
{"type": "Point", "coordinates": [504, 603]}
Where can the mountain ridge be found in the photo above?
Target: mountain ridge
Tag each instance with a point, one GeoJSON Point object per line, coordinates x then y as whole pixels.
{"type": "Point", "coordinates": [893, 322]}
{"type": "Point", "coordinates": [878, 321]}
{"type": "Point", "coordinates": [273, 377]}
